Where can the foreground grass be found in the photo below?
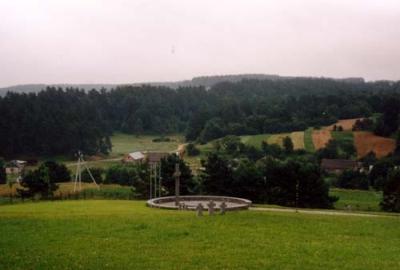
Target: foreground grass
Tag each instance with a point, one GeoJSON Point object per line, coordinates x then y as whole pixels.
{"type": "Point", "coordinates": [127, 235]}
{"type": "Point", "coordinates": [359, 200]}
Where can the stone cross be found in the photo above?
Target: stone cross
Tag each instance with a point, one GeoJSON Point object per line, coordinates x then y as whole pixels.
{"type": "Point", "coordinates": [211, 206]}
{"type": "Point", "coordinates": [199, 209]}
{"type": "Point", "coordinates": [177, 175]}
{"type": "Point", "coordinates": [222, 208]}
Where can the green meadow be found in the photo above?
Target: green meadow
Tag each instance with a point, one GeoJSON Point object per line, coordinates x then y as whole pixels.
{"type": "Point", "coordinates": [127, 143]}
{"type": "Point", "coordinates": [128, 235]}
{"type": "Point", "coordinates": [358, 200]}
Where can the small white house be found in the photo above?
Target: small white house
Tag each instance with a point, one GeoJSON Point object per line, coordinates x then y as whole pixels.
{"type": "Point", "coordinates": [134, 157]}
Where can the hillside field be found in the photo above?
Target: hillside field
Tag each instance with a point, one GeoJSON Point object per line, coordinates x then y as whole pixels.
{"type": "Point", "coordinates": [366, 142]}
{"type": "Point", "coordinates": [128, 235]}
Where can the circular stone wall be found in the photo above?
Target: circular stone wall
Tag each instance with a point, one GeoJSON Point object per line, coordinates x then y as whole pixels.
{"type": "Point", "coordinates": [191, 202]}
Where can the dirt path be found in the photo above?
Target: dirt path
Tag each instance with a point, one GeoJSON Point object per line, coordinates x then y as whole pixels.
{"type": "Point", "coordinates": [321, 212]}
{"type": "Point", "coordinates": [95, 161]}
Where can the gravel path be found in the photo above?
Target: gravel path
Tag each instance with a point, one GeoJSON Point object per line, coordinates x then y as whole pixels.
{"type": "Point", "coordinates": [322, 212]}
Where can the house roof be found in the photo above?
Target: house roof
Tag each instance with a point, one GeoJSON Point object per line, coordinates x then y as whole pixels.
{"type": "Point", "coordinates": [153, 157]}
{"type": "Point", "coordinates": [136, 155]}
{"type": "Point", "coordinates": [338, 164]}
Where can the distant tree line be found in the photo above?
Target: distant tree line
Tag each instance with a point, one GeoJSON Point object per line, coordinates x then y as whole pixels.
{"type": "Point", "coordinates": [57, 121]}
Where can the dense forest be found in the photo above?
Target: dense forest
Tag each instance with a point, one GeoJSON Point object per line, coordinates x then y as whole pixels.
{"type": "Point", "coordinates": [61, 121]}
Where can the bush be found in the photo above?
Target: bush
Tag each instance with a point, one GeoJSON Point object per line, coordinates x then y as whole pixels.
{"type": "Point", "coordinates": [3, 175]}
{"type": "Point", "coordinates": [37, 182]}
{"type": "Point", "coordinates": [161, 139]}
{"type": "Point", "coordinates": [391, 193]}
{"type": "Point", "coordinates": [97, 174]}
{"type": "Point", "coordinates": [192, 150]}
{"type": "Point", "coordinates": [57, 172]}
{"type": "Point", "coordinates": [351, 179]}
{"type": "Point", "coordinates": [136, 175]}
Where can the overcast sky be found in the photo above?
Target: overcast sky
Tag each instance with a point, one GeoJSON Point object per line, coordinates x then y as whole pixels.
{"type": "Point", "coordinates": [117, 41]}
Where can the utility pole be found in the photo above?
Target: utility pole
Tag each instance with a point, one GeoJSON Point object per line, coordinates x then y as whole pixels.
{"type": "Point", "coordinates": [177, 175]}
{"type": "Point", "coordinates": [78, 173]}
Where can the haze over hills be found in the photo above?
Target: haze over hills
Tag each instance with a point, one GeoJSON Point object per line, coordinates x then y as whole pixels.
{"type": "Point", "coordinates": [206, 81]}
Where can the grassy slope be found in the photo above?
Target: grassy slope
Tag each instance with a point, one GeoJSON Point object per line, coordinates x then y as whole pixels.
{"type": "Point", "coordinates": [255, 140]}
{"type": "Point", "coordinates": [343, 136]}
{"type": "Point", "coordinates": [125, 143]}
{"type": "Point", "coordinates": [308, 141]}
{"type": "Point", "coordinates": [127, 235]}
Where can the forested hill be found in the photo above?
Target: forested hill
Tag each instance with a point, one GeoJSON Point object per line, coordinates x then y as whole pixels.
{"type": "Point", "coordinates": [206, 81]}
{"type": "Point", "coordinates": [60, 121]}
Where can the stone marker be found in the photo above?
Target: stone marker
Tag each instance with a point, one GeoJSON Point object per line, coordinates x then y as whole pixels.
{"type": "Point", "coordinates": [211, 206]}
{"type": "Point", "coordinates": [222, 208]}
{"type": "Point", "coordinates": [199, 209]}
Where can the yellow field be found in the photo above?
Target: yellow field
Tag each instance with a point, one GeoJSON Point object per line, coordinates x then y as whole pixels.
{"type": "Point", "coordinates": [277, 138]}
{"type": "Point", "coordinates": [297, 139]}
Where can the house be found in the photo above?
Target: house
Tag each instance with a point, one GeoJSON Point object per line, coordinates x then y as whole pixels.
{"type": "Point", "coordinates": [337, 166]}
{"type": "Point", "coordinates": [134, 157]}
{"type": "Point", "coordinates": [155, 157]}
{"type": "Point", "coordinates": [15, 166]}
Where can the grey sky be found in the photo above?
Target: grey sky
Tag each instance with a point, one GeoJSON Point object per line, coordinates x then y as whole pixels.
{"type": "Point", "coordinates": [117, 41]}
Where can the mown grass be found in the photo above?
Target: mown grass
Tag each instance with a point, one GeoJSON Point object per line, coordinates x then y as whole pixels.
{"type": "Point", "coordinates": [128, 235]}
{"type": "Point", "coordinates": [255, 140]}
{"type": "Point", "coordinates": [343, 136]}
{"type": "Point", "coordinates": [308, 141]}
{"type": "Point", "coordinates": [357, 200]}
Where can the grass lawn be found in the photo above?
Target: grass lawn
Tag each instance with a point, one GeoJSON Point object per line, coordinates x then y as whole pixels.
{"type": "Point", "coordinates": [125, 143]}
{"type": "Point", "coordinates": [361, 200]}
{"type": "Point", "coordinates": [128, 235]}
{"type": "Point", "coordinates": [308, 141]}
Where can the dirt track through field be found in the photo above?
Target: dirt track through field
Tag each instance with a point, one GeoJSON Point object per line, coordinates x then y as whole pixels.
{"type": "Point", "coordinates": [321, 212]}
{"type": "Point", "coordinates": [366, 142]}
{"type": "Point", "coordinates": [321, 138]}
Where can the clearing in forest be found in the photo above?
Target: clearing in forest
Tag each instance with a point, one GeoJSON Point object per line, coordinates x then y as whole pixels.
{"type": "Point", "coordinates": [366, 142]}
{"type": "Point", "coordinates": [321, 138]}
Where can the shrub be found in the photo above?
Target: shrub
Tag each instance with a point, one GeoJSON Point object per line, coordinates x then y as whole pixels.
{"type": "Point", "coordinates": [192, 150]}
{"type": "Point", "coordinates": [351, 179]}
{"type": "Point", "coordinates": [97, 174]}
{"type": "Point", "coordinates": [391, 193]}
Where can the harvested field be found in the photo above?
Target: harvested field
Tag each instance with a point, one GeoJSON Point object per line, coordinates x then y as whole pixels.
{"type": "Point", "coordinates": [298, 139]}
{"type": "Point", "coordinates": [321, 138]}
{"type": "Point", "coordinates": [347, 124]}
{"type": "Point", "coordinates": [277, 138]}
{"type": "Point", "coordinates": [366, 142]}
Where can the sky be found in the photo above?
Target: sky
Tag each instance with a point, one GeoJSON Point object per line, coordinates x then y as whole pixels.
{"type": "Point", "coordinates": [121, 41]}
